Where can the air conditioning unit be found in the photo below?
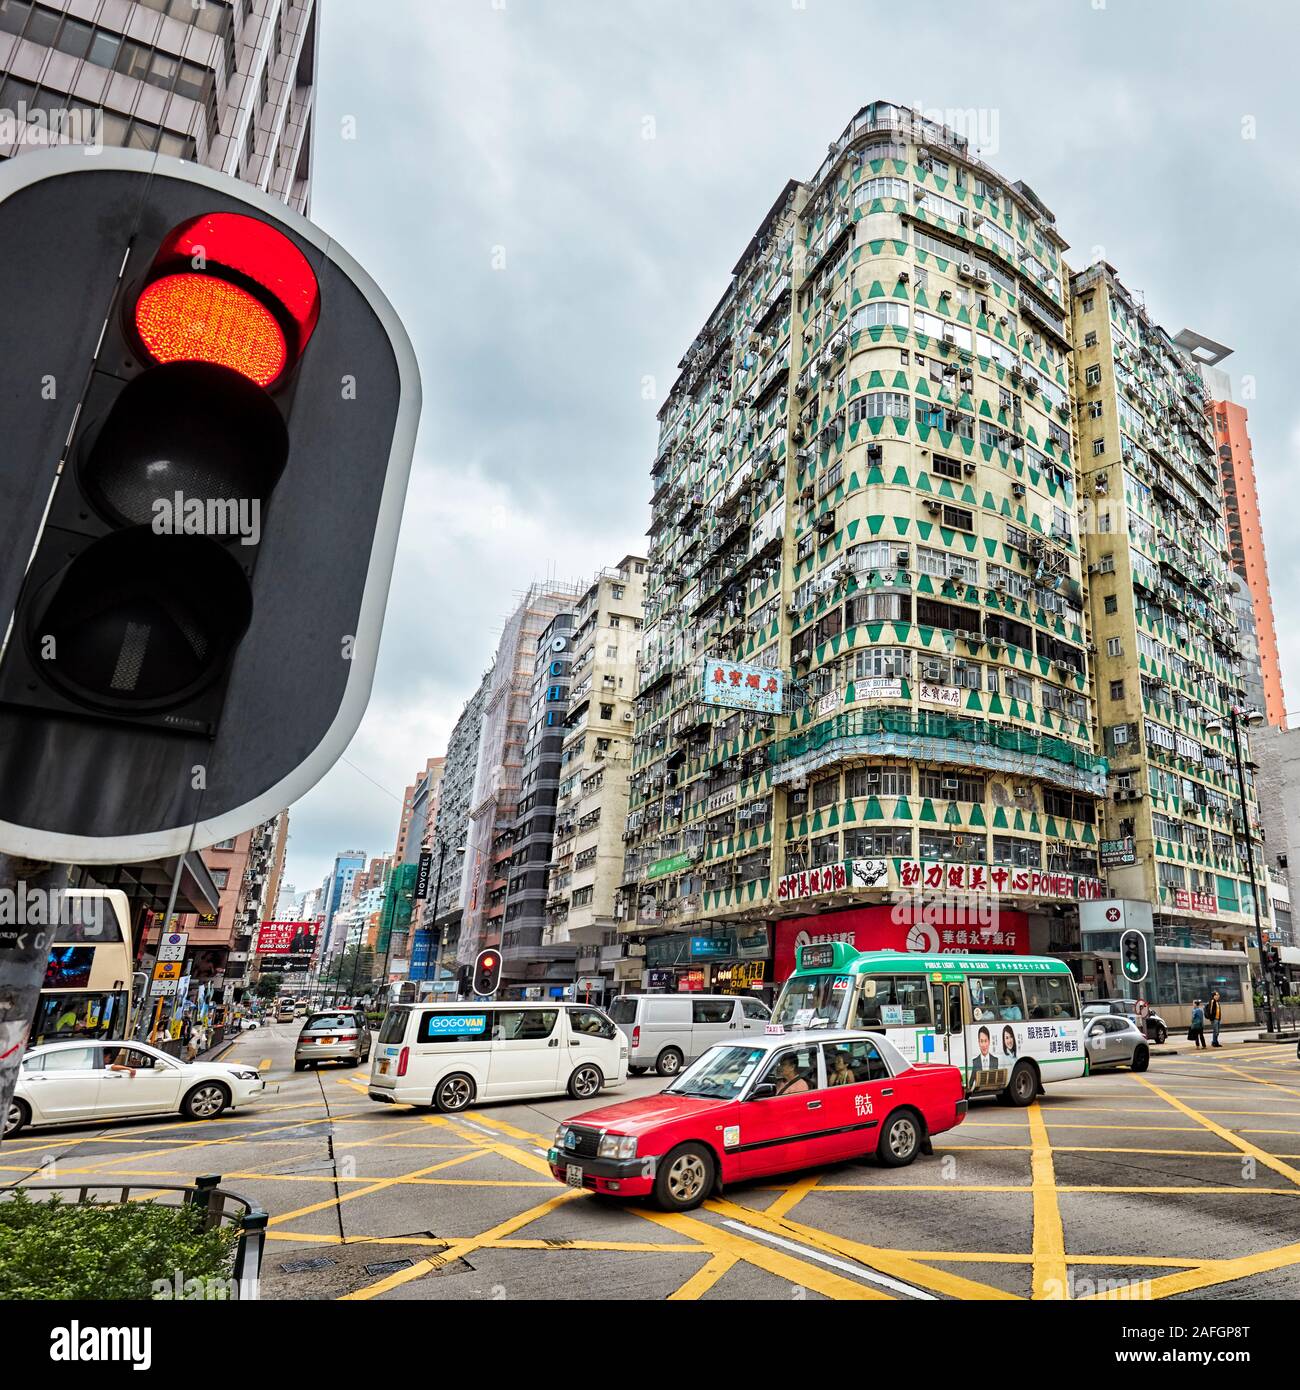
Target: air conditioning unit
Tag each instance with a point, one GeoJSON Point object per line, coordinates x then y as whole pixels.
{"type": "Point", "coordinates": [950, 784]}
{"type": "Point", "coordinates": [932, 505]}
{"type": "Point", "coordinates": [1021, 793]}
{"type": "Point", "coordinates": [1017, 489]}
{"type": "Point", "coordinates": [962, 635]}
{"type": "Point", "coordinates": [918, 194]}
{"type": "Point", "coordinates": [793, 608]}
{"type": "Point", "coordinates": [629, 717]}
{"type": "Point", "coordinates": [968, 468]}
{"type": "Point", "coordinates": [933, 671]}
{"type": "Point", "coordinates": [903, 560]}
{"type": "Point", "coordinates": [999, 581]}
{"type": "Point", "coordinates": [966, 271]}
{"type": "Point", "coordinates": [981, 275]}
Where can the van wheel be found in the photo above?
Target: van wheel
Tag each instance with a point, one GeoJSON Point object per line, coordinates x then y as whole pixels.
{"type": "Point", "coordinates": [1141, 1058]}
{"type": "Point", "coordinates": [685, 1178]}
{"type": "Point", "coordinates": [454, 1093]}
{"type": "Point", "coordinates": [18, 1118]}
{"type": "Point", "coordinates": [900, 1140]}
{"type": "Point", "coordinates": [586, 1082]}
{"type": "Point", "coordinates": [669, 1062]}
{"type": "Point", "coordinates": [1023, 1086]}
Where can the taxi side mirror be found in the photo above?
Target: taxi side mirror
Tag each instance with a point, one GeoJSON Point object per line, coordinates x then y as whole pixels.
{"type": "Point", "coordinates": [765, 1090]}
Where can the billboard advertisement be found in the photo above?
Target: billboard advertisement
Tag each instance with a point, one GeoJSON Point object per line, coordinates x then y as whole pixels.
{"type": "Point", "coordinates": [287, 938]}
{"type": "Point", "coordinates": [732, 685]}
{"type": "Point", "coordinates": [889, 928]}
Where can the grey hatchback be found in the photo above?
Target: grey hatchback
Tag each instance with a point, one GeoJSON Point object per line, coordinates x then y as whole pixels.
{"type": "Point", "coordinates": [332, 1035]}
{"type": "Point", "coordinates": [1112, 1040]}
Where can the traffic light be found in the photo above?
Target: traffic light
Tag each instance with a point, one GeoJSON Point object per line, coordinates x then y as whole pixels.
{"type": "Point", "coordinates": [206, 451]}
{"type": "Point", "coordinates": [487, 972]}
{"type": "Point", "coordinates": [1133, 956]}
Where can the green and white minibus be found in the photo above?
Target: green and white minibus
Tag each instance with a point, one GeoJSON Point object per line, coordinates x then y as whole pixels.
{"type": "Point", "coordinates": [1010, 1023]}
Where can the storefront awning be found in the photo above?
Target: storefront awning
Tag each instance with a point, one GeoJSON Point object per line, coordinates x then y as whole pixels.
{"type": "Point", "coordinates": [150, 884]}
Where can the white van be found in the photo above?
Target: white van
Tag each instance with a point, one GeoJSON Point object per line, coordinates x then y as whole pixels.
{"type": "Point", "coordinates": [450, 1055]}
{"type": "Point", "coordinates": [666, 1031]}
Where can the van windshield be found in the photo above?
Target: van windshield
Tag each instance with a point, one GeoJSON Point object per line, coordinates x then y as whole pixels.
{"type": "Point", "coordinates": [721, 1073]}
{"type": "Point", "coordinates": [623, 1010]}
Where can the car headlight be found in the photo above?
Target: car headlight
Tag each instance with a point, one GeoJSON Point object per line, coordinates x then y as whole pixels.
{"type": "Point", "coordinates": [249, 1075]}
{"type": "Point", "coordinates": [617, 1146]}
{"type": "Point", "coordinates": [563, 1137]}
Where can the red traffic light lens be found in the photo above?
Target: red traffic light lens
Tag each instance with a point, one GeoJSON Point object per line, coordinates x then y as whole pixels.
{"type": "Point", "coordinates": [196, 318]}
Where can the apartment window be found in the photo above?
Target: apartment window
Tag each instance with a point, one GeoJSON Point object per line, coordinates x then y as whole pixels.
{"type": "Point", "coordinates": [885, 662]}
{"type": "Point", "coordinates": [887, 780]}
{"type": "Point", "coordinates": [1111, 603]}
{"type": "Point", "coordinates": [225, 844]}
{"type": "Point", "coordinates": [1114, 647]}
{"type": "Point", "coordinates": [825, 849]}
{"type": "Point", "coordinates": [607, 711]}
{"type": "Point", "coordinates": [865, 844]}
{"type": "Point", "coordinates": [1022, 854]}
{"type": "Point", "coordinates": [1106, 565]}
{"type": "Point", "coordinates": [940, 844]}
{"type": "Point", "coordinates": [1093, 375]}
{"type": "Point", "coordinates": [1086, 303]}
{"type": "Point", "coordinates": [941, 785]}
{"type": "Point", "coordinates": [945, 467]}
{"type": "Point", "coordinates": [1095, 410]}
{"type": "Point", "coordinates": [876, 405]}
{"type": "Point", "coordinates": [1117, 690]}
{"type": "Point", "coordinates": [1098, 447]}
{"type": "Point", "coordinates": [220, 877]}
{"type": "Point", "coordinates": [1090, 338]}
{"type": "Point", "coordinates": [825, 792]}
{"type": "Point", "coordinates": [958, 518]}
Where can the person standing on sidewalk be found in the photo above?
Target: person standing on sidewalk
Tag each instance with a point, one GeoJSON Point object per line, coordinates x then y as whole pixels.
{"type": "Point", "coordinates": [1214, 1012]}
{"type": "Point", "coordinates": [1196, 1029]}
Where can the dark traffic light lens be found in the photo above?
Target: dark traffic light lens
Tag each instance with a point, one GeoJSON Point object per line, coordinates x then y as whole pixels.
{"type": "Point", "coordinates": [141, 621]}
{"type": "Point", "coordinates": [182, 448]}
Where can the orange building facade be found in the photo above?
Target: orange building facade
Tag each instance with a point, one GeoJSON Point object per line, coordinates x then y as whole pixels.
{"type": "Point", "coordinates": [1246, 539]}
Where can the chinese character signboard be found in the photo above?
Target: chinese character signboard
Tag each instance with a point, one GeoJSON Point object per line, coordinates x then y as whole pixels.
{"type": "Point", "coordinates": [674, 864]}
{"type": "Point", "coordinates": [948, 695]}
{"type": "Point", "coordinates": [1195, 902]}
{"type": "Point", "coordinates": [939, 877]}
{"type": "Point", "coordinates": [831, 878]}
{"type": "Point", "coordinates": [734, 686]}
{"type": "Point", "coordinates": [287, 938]}
{"type": "Point", "coordinates": [1115, 852]}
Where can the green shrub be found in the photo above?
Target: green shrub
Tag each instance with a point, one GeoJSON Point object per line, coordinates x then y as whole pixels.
{"type": "Point", "coordinates": [374, 1020]}
{"type": "Point", "coordinates": [56, 1249]}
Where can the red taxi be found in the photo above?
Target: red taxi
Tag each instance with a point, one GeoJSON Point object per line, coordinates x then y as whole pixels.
{"type": "Point", "coordinates": [764, 1105]}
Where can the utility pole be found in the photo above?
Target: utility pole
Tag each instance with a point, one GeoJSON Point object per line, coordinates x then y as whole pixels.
{"type": "Point", "coordinates": [24, 951]}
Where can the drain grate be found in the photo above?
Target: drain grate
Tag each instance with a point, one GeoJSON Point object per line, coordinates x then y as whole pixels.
{"type": "Point", "coordinates": [303, 1266]}
{"type": "Point", "coordinates": [388, 1267]}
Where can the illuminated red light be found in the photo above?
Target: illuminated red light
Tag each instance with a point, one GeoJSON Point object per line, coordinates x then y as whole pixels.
{"type": "Point", "coordinates": [196, 318]}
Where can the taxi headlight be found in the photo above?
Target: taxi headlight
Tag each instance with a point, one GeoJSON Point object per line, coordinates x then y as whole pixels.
{"type": "Point", "coordinates": [617, 1146]}
{"type": "Point", "coordinates": [562, 1137]}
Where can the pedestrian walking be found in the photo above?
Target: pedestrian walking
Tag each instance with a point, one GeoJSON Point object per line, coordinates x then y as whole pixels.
{"type": "Point", "coordinates": [1196, 1032]}
{"type": "Point", "coordinates": [1214, 1012]}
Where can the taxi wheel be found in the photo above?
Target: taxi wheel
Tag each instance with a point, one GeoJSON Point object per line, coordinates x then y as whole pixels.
{"type": "Point", "coordinates": [454, 1093]}
{"type": "Point", "coordinates": [1141, 1059]}
{"type": "Point", "coordinates": [670, 1062]}
{"type": "Point", "coordinates": [18, 1117]}
{"type": "Point", "coordinates": [685, 1178]}
{"type": "Point", "coordinates": [586, 1082]}
{"type": "Point", "coordinates": [900, 1140]}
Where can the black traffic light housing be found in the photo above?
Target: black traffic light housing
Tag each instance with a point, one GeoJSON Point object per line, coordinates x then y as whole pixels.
{"type": "Point", "coordinates": [1133, 956]}
{"type": "Point", "coordinates": [487, 972]}
{"type": "Point", "coordinates": [218, 409]}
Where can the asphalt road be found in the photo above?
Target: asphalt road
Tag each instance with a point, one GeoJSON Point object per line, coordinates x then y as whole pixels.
{"type": "Point", "coordinates": [1180, 1183]}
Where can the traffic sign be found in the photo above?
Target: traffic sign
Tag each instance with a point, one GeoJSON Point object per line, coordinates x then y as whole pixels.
{"type": "Point", "coordinates": [172, 946]}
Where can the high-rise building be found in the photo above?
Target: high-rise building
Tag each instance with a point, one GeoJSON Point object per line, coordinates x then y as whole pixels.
{"type": "Point", "coordinates": [591, 805]}
{"type": "Point", "coordinates": [865, 483]}
{"type": "Point", "coordinates": [226, 85]}
{"type": "Point", "coordinates": [417, 801]}
{"type": "Point", "coordinates": [1168, 662]}
{"type": "Point", "coordinates": [335, 891]}
{"type": "Point", "coordinates": [494, 801]}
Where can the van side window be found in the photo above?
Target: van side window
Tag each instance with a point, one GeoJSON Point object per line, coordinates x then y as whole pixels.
{"type": "Point", "coordinates": [591, 1022]}
{"type": "Point", "coordinates": [755, 1008]}
{"type": "Point", "coordinates": [712, 1010]}
{"type": "Point", "coordinates": [471, 1025]}
{"type": "Point", "coordinates": [526, 1023]}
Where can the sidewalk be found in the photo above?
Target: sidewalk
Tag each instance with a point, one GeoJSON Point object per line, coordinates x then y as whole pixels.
{"type": "Point", "coordinates": [1237, 1035]}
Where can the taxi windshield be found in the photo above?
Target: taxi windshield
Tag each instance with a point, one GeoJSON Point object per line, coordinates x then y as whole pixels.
{"type": "Point", "coordinates": [811, 1001]}
{"type": "Point", "coordinates": [721, 1073]}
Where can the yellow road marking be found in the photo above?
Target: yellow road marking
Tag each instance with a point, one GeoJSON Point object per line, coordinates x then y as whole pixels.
{"type": "Point", "coordinates": [1213, 1272]}
{"type": "Point", "coordinates": [886, 1261]}
{"type": "Point", "coordinates": [1050, 1272]}
{"type": "Point", "coordinates": [366, 1191]}
{"type": "Point", "coordinates": [1227, 1135]}
{"type": "Point", "coordinates": [705, 1277]}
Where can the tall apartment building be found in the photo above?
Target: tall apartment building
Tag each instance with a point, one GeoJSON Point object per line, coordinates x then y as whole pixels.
{"type": "Point", "coordinates": [591, 807]}
{"type": "Point", "coordinates": [441, 913]}
{"type": "Point", "coordinates": [524, 958]}
{"type": "Point", "coordinates": [415, 817]}
{"type": "Point", "coordinates": [227, 85]}
{"type": "Point", "coordinates": [865, 481]}
{"type": "Point", "coordinates": [494, 801]}
{"type": "Point", "coordinates": [1168, 660]}
{"type": "Point", "coordinates": [334, 892]}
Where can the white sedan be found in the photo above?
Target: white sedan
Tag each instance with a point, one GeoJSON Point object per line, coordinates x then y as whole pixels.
{"type": "Point", "coordinates": [66, 1081]}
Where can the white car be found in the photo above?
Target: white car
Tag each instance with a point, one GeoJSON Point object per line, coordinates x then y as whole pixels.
{"type": "Point", "coordinates": [66, 1081]}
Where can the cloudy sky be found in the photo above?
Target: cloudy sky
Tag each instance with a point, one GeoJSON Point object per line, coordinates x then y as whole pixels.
{"type": "Point", "coordinates": [552, 193]}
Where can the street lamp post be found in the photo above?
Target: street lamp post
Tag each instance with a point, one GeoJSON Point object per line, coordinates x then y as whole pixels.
{"type": "Point", "coordinates": [1236, 719]}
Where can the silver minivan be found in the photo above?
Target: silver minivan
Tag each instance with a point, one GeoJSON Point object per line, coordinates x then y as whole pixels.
{"type": "Point", "coordinates": [666, 1031]}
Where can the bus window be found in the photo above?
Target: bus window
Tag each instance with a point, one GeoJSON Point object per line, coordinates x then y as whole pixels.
{"type": "Point", "coordinates": [1003, 993]}
{"type": "Point", "coordinates": [887, 1001]}
{"type": "Point", "coordinates": [1050, 996]}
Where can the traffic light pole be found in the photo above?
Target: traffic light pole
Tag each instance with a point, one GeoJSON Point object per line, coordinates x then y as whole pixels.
{"type": "Point", "coordinates": [24, 952]}
{"type": "Point", "coordinates": [1250, 867]}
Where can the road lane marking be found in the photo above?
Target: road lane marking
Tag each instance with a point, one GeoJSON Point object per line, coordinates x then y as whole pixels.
{"type": "Point", "coordinates": [1211, 1272]}
{"type": "Point", "coordinates": [1048, 1232]}
{"type": "Point", "coordinates": [366, 1191]}
{"type": "Point", "coordinates": [808, 1253]}
{"type": "Point", "coordinates": [705, 1277]}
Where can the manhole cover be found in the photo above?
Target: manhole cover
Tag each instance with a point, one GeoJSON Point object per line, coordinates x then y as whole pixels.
{"type": "Point", "coordinates": [388, 1266]}
{"type": "Point", "coordinates": [302, 1266]}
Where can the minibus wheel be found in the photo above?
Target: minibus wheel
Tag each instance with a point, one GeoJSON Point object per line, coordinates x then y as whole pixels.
{"type": "Point", "coordinates": [684, 1178]}
{"type": "Point", "coordinates": [1023, 1086]}
{"type": "Point", "coordinates": [454, 1093]}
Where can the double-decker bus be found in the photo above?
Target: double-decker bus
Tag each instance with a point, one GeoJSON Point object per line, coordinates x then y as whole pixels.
{"type": "Point", "coordinates": [89, 985]}
{"type": "Point", "coordinates": [1011, 1023]}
